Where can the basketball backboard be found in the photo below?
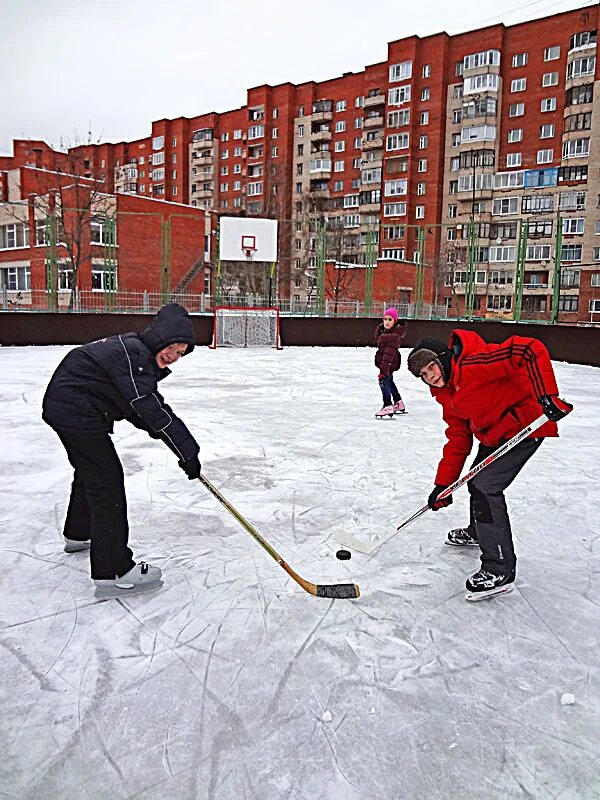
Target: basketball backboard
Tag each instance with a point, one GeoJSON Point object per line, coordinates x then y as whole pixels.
{"type": "Point", "coordinates": [248, 237]}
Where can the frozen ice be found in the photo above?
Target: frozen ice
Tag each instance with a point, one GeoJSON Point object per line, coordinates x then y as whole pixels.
{"type": "Point", "coordinates": [567, 699]}
{"type": "Point", "coordinates": [215, 686]}
{"type": "Point", "coordinates": [327, 717]}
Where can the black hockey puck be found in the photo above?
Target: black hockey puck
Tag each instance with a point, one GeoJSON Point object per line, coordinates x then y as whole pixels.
{"type": "Point", "coordinates": [343, 555]}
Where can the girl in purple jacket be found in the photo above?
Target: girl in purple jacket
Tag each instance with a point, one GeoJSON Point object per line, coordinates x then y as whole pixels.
{"type": "Point", "coordinates": [389, 335]}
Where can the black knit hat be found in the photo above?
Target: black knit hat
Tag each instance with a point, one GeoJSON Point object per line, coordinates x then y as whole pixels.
{"type": "Point", "coordinates": [428, 350]}
{"type": "Point", "coordinates": [171, 325]}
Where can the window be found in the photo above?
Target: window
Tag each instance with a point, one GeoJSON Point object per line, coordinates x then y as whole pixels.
{"type": "Point", "coordinates": [519, 60]}
{"type": "Point", "coordinates": [420, 188]}
{"type": "Point", "coordinates": [339, 166]}
{"type": "Point", "coordinates": [399, 95]}
{"type": "Point", "coordinates": [537, 202]}
{"type": "Point", "coordinates": [505, 205]}
{"type": "Point", "coordinates": [513, 159]}
{"type": "Point", "coordinates": [516, 110]}
{"type": "Point", "coordinates": [478, 132]}
{"type": "Point", "coordinates": [426, 71]}
{"type": "Point", "coordinates": [484, 59]}
{"type": "Point", "coordinates": [393, 253]}
{"type": "Point", "coordinates": [419, 212]}
{"type": "Point", "coordinates": [158, 174]}
{"type": "Point", "coordinates": [455, 140]}
{"type": "Point", "coordinates": [358, 122]}
{"type": "Point", "coordinates": [396, 141]}
{"type": "Point", "coordinates": [340, 105]}
{"type": "Point", "coordinates": [488, 82]}
{"type": "Point", "coordinates": [454, 163]}
{"type": "Point", "coordinates": [571, 252]}
{"type": "Point", "coordinates": [357, 143]}
{"type": "Point", "coordinates": [237, 168]}
{"type": "Point", "coordinates": [552, 53]}
{"type": "Point", "coordinates": [458, 68]}
{"type": "Point", "coordinates": [256, 131]}
{"type": "Point", "coordinates": [550, 79]}
{"type": "Point", "coordinates": [300, 131]}
{"type": "Point", "coordinates": [580, 94]}
{"type": "Point", "coordinates": [518, 85]}
{"type": "Point", "coordinates": [576, 148]}
{"type": "Point", "coordinates": [548, 104]}
{"type": "Point", "coordinates": [340, 126]}
{"type": "Point", "coordinates": [452, 211]}
{"type": "Point", "coordinates": [578, 173]}
{"type": "Point", "coordinates": [578, 122]}
{"type": "Point", "coordinates": [158, 158]}
{"type": "Point", "coordinates": [572, 201]}
{"type": "Point", "coordinates": [275, 133]}
{"type": "Point", "coordinates": [371, 175]}
{"type": "Point", "coordinates": [158, 142]}
{"type": "Point", "coordinates": [423, 142]}
{"type": "Point", "coordinates": [425, 93]}
{"type": "Point", "coordinates": [457, 116]}
{"type": "Point", "coordinates": [359, 101]}
{"type": "Point", "coordinates": [453, 187]}
{"type": "Point", "coordinates": [502, 253]}
{"type": "Point", "coordinates": [583, 39]}
{"type": "Point", "coordinates": [515, 135]}
{"type": "Point", "coordinates": [395, 187]}
{"type": "Point", "coordinates": [508, 180]}
{"type": "Point", "coordinates": [15, 279]}
{"type": "Point", "coordinates": [338, 186]}
{"type": "Point", "coordinates": [573, 225]}
{"type": "Point", "coordinates": [14, 236]}
{"type": "Point", "coordinates": [547, 131]}
{"type": "Point", "coordinates": [422, 165]}
{"type": "Point", "coordinates": [538, 252]}
{"type": "Point", "coordinates": [396, 119]}
{"type": "Point", "coordinates": [340, 146]}
{"type": "Point", "coordinates": [499, 302]}
{"type": "Point", "coordinates": [581, 66]}
{"type": "Point", "coordinates": [400, 72]}
{"type": "Point", "coordinates": [545, 156]}
{"type": "Point", "coordinates": [394, 209]}
{"type": "Point", "coordinates": [424, 119]}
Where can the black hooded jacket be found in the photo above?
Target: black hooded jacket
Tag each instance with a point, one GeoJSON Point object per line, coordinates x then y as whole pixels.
{"type": "Point", "coordinates": [117, 378]}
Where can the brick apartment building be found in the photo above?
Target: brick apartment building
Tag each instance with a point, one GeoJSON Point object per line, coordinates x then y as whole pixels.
{"type": "Point", "coordinates": [471, 160]}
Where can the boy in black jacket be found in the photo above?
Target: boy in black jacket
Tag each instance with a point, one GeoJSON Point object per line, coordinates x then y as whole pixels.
{"type": "Point", "coordinates": [95, 385]}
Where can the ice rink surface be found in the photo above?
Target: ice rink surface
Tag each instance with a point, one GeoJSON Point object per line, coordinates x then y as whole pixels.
{"type": "Point", "coordinates": [230, 682]}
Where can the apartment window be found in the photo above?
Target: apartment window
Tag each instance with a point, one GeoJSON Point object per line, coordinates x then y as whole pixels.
{"type": "Point", "coordinates": [573, 225]}
{"type": "Point", "coordinates": [274, 151]}
{"type": "Point", "coordinates": [300, 131]}
{"type": "Point", "coordinates": [256, 131]}
{"type": "Point", "coordinates": [539, 227]}
{"type": "Point", "coordinates": [519, 60]}
{"type": "Point", "coordinates": [423, 142]}
{"type": "Point", "coordinates": [397, 141]}
{"type": "Point", "coordinates": [578, 122]}
{"type": "Point", "coordinates": [338, 186]}
{"type": "Point", "coordinates": [357, 143]}
{"type": "Point", "coordinates": [499, 302]}
{"type": "Point", "coordinates": [400, 72]}
{"type": "Point", "coordinates": [275, 133]}
{"type": "Point", "coordinates": [174, 174]}
{"type": "Point", "coordinates": [516, 110]}
{"type": "Point", "coordinates": [518, 85]}
{"type": "Point", "coordinates": [578, 173]}
{"type": "Point", "coordinates": [424, 119]}
{"type": "Point", "coordinates": [158, 142]}
{"type": "Point", "coordinates": [425, 93]}
{"type": "Point", "coordinates": [452, 211]}
{"type": "Point", "coordinates": [571, 252]}
{"type": "Point", "coordinates": [225, 137]}
{"type": "Point", "coordinates": [545, 156]}
{"type": "Point", "coordinates": [515, 135]}
{"type": "Point", "coordinates": [420, 188]}
{"type": "Point", "coordinates": [224, 187]}
{"type": "Point", "coordinates": [478, 132]}
{"type": "Point", "coordinates": [576, 148]}
{"type": "Point", "coordinates": [550, 79]}
{"type": "Point", "coordinates": [502, 253]}
{"type": "Point", "coordinates": [356, 163]}
{"type": "Point", "coordinates": [397, 119]}
{"type": "Point", "coordinates": [371, 175]}
{"type": "Point", "coordinates": [395, 187]}
{"type": "Point", "coordinates": [298, 188]}
{"type": "Point", "coordinates": [488, 82]}
{"type": "Point", "coordinates": [453, 187]}
{"type": "Point", "coordinates": [505, 205]}
{"type": "Point", "coordinates": [573, 201]}
{"type": "Point", "coordinates": [340, 126]}
{"type": "Point", "coordinates": [237, 168]}
{"type": "Point", "coordinates": [508, 180]}
{"type": "Point", "coordinates": [583, 39]}
{"type": "Point", "coordinates": [540, 203]}
{"type": "Point", "coordinates": [158, 174]}
{"type": "Point", "coordinates": [224, 154]}
{"type": "Point", "coordinates": [394, 209]}
{"type": "Point", "coordinates": [513, 159]}
{"type": "Point", "coordinates": [547, 131]}
{"type": "Point", "coordinates": [568, 303]}
{"type": "Point", "coordinates": [399, 95]}
{"type": "Point", "coordinates": [225, 170]}
{"type": "Point", "coordinates": [426, 72]}
{"type": "Point", "coordinates": [552, 53]}
{"type": "Point", "coordinates": [358, 122]}
{"type": "Point", "coordinates": [483, 59]}
{"type": "Point", "coordinates": [339, 166]}
{"type": "Point", "coordinates": [538, 252]}
{"type": "Point", "coordinates": [581, 66]}
{"type": "Point", "coordinates": [340, 105]}
{"type": "Point", "coordinates": [394, 232]}
{"type": "Point", "coordinates": [454, 163]}
{"type": "Point", "coordinates": [458, 68]}
{"type": "Point", "coordinates": [422, 165]}
{"type": "Point", "coordinates": [15, 278]}
{"type": "Point", "coordinates": [419, 212]}
{"type": "Point", "coordinates": [340, 146]}
{"type": "Point", "coordinates": [455, 140]}
{"type": "Point", "coordinates": [14, 236]}
{"type": "Point", "coordinates": [457, 116]}
{"type": "Point", "coordinates": [548, 104]}
{"type": "Point", "coordinates": [158, 158]}
{"type": "Point", "coordinates": [580, 94]}
{"type": "Point", "coordinates": [359, 101]}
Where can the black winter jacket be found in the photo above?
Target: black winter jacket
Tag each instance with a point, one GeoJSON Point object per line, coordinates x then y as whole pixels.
{"type": "Point", "coordinates": [117, 378]}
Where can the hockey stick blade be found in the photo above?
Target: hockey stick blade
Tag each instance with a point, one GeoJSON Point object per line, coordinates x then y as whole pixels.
{"type": "Point", "coordinates": [335, 591]}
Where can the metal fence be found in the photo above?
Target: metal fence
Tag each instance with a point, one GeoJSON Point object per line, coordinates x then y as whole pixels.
{"type": "Point", "coordinates": [121, 301]}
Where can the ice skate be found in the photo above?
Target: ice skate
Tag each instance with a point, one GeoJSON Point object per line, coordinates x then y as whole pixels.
{"type": "Point", "coordinates": [140, 578]}
{"type": "Point", "coordinates": [76, 545]}
{"type": "Point", "coordinates": [386, 411]}
{"type": "Point", "coordinates": [485, 584]}
{"type": "Point", "coordinates": [399, 407]}
{"type": "Point", "coordinates": [461, 537]}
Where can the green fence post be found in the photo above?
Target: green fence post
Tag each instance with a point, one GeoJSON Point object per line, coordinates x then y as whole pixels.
{"type": "Point", "coordinates": [520, 273]}
{"type": "Point", "coordinates": [369, 265]}
{"type": "Point", "coordinates": [557, 266]}
{"type": "Point", "coordinates": [51, 262]}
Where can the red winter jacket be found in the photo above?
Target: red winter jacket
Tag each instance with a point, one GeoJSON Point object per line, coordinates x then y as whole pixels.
{"type": "Point", "coordinates": [387, 357]}
{"type": "Point", "coordinates": [492, 394]}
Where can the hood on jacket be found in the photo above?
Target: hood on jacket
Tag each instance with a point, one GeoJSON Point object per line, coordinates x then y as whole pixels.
{"type": "Point", "coordinates": [428, 350]}
{"type": "Point", "coordinates": [172, 324]}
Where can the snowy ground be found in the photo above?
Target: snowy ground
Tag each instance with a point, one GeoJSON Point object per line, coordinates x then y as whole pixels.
{"type": "Point", "coordinates": [230, 682]}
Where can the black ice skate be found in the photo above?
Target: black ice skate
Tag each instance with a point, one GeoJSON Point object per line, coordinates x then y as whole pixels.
{"type": "Point", "coordinates": [485, 584]}
{"type": "Point", "coordinates": [461, 537]}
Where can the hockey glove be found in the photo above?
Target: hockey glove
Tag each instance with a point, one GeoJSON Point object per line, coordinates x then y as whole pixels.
{"type": "Point", "coordinates": [432, 501]}
{"type": "Point", "coordinates": [191, 467]}
{"type": "Point", "coordinates": [554, 408]}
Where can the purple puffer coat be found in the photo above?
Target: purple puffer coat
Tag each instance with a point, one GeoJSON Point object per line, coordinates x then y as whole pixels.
{"type": "Point", "coordinates": [387, 357]}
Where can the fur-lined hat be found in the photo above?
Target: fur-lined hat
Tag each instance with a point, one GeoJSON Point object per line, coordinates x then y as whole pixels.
{"type": "Point", "coordinates": [428, 350]}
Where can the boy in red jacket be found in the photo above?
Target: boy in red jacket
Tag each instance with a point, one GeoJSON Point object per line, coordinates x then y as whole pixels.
{"type": "Point", "coordinates": [490, 391]}
{"type": "Point", "coordinates": [388, 336]}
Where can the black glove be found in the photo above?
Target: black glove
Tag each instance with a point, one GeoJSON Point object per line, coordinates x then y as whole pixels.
{"type": "Point", "coordinates": [191, 467]}
{"type": "Point", "coordinates": [554, 408]}
{"type": "Point", "coordinates": [432, 501]}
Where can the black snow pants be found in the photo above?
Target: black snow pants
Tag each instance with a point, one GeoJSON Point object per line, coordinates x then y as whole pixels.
{"type": "Point", "coordinates": [489, 520]}
{"type": "Point", "coordinates": [97, 506]}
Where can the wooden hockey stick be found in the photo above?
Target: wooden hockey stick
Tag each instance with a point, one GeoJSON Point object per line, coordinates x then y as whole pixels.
{"type": "Point", "coordinates": [369, 547]}
{"type": "Point", "coordinates": [336, 591]}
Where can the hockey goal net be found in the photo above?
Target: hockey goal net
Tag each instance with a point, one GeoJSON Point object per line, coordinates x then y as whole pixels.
{"type": "Point", "coordinates": [246, 327]}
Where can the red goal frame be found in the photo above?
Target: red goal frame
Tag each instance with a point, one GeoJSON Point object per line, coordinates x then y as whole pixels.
{"type": "Point", "coordinates": [278, 345]}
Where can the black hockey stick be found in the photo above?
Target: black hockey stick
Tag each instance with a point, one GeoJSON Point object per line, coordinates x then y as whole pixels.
{"type": "Point", "coordinates": [336, 591]}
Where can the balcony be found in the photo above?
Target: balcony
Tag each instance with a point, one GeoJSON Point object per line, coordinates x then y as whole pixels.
{"type": "Point", "coordinates": [320, 168]}
{"type": "Point", "coordinates": [374, 100]}
{"type": "Point", "coordinates": [373, 122]}
{"type": "Point", "coordinates": [536, 288]}
{"type": "Point", "coordinates": [373, 144]}
{"type": "Point", "coordinates": [323, 135]}
{"type": "Point", "coordinates": [202, 161]}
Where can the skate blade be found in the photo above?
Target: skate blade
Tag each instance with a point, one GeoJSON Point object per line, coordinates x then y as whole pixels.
{"type": "Point", "coordinates": [386, 416]}
{"type": "Point", "coordinates": [464, 544]}
{"type": "Point", "coordinates": [475, 597]}
{"type": "Point", "coordinates": [115, 591]}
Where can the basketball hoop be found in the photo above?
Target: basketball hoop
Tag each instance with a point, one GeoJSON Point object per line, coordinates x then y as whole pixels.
{"type": "Point", "coordinates": [250, 252]}
{"type": "Point", "coordinates": [248, 246]}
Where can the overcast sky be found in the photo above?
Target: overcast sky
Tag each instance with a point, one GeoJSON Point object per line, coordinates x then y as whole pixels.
{"type": "Point", "coordinates": [74, 66]}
